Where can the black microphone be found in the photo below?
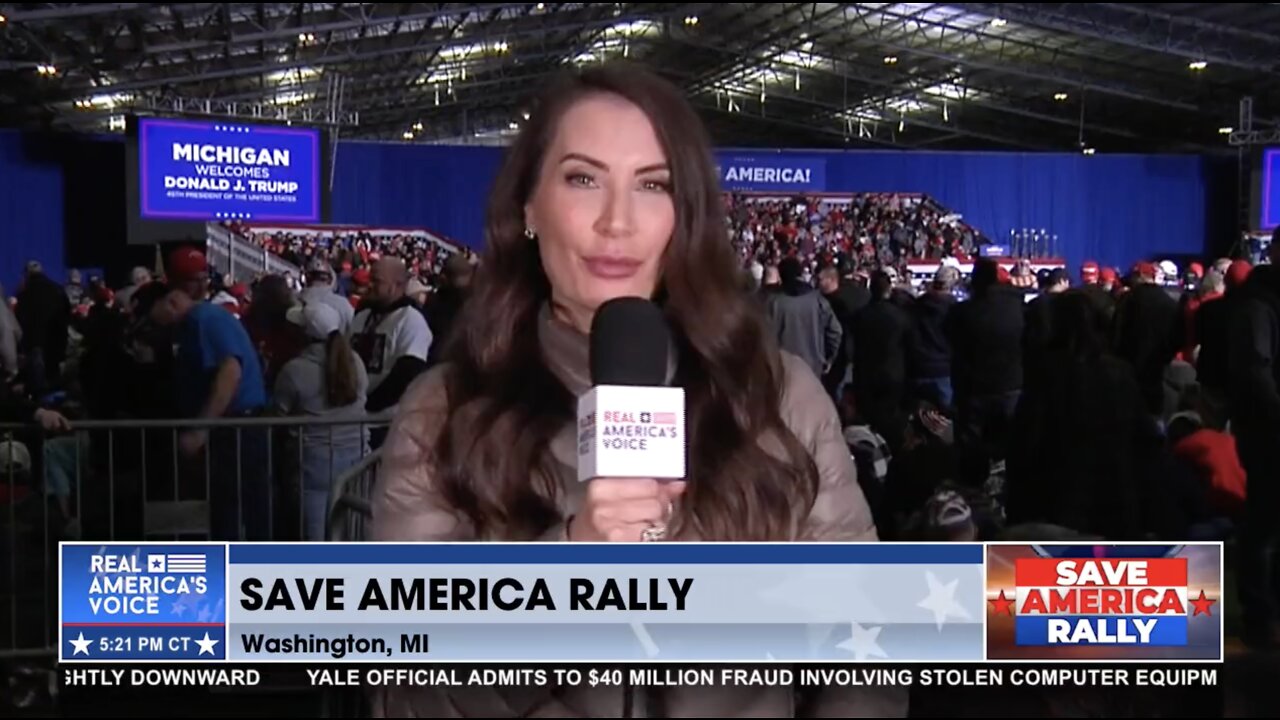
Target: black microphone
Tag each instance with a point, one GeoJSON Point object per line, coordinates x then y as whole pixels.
{"type": "Point", "coordinates": [631, 422]}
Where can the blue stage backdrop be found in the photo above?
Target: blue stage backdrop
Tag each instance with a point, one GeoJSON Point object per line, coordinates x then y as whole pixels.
{"type": "Point", "coordinates": [31, 212]}
{"type": "Point", "coordinates": [1115, 209]}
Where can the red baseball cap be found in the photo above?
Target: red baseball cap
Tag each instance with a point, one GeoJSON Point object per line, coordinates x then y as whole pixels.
{"type": "Point", "coordinates": [187, 264]}
{"type": "Point", "coordinates": [1237, 273]}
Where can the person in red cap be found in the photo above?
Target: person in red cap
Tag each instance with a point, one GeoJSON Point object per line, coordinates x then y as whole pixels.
{"type": "Point", "coordinates": [188, 270]}
{"type": "Point", "coordinates": [1210, 288]}
{"type": "Point", "coordinates": [1089, 273]}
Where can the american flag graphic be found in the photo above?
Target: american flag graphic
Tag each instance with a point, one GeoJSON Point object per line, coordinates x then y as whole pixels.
{"type": "Point", "coordinates": [185, 563]}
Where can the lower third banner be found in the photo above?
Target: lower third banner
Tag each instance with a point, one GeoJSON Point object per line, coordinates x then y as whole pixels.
{"type": "Point", "coordinates": [537, 602]}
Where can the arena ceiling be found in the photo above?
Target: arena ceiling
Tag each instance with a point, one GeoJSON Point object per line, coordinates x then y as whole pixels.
{"type": "Point", "coordinates": [1037, 76]}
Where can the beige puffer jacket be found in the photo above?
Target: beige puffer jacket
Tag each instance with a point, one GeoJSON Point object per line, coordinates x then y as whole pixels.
{"type": "Point", "coordinates": [407, 508]}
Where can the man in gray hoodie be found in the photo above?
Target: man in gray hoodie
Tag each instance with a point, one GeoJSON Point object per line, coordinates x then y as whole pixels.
{"type": "Point", "coordinates": [806, 325]}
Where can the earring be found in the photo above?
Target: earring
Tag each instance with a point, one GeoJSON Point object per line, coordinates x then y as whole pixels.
{"type": "Point", "coordinates": [530, 233]}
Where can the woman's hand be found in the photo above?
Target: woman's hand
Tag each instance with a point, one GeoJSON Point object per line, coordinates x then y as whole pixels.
{"type": "Point", "coordinates": [621, 509]}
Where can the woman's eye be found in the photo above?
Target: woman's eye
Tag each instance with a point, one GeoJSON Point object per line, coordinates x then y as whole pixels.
{"type": "Point", "coordinates": [580, 179]}
{"type": "Point", "coordinates": [656, 185]}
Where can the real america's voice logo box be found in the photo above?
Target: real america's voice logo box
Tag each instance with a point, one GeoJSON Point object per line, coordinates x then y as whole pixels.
{"type": "Point", "coordinates": [497, 602]}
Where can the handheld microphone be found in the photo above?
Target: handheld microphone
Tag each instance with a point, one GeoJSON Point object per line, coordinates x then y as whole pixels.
{"type": "Point", "coordinates": [630, 424]}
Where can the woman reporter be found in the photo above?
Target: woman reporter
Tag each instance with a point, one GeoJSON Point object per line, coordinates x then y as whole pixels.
{"type": "Point", "coordinates": [610, 191]}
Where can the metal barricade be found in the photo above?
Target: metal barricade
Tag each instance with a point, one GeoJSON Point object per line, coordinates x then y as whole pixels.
{"type": "Point", "coordinates": [251, 478]}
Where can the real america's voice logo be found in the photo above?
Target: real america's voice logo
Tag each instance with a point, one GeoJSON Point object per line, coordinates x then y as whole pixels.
{"type": "Point", "coordinates": [142, 602]}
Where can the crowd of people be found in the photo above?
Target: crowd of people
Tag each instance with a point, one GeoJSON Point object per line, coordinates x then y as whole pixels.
{"type": "Point", "coordinates": [184, 345]}
{"type": "Point", "coordinates": [1102, 407]}
{"type": "Point", "coordinates": [352, 252]}
{"type": "Point", "coordinates": [873, 230]}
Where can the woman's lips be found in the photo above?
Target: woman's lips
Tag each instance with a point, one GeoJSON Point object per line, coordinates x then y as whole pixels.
{"type": "Point", "coordinates": [611, 268]}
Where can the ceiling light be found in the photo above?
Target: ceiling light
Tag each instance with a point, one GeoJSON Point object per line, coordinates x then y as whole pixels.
{"type": "Point", "coordinates": [417, 127]}
{"type": "Point", "coordinates": [1197, 65]}
{"type": "Point", "coordinates": [542, 6]}
{"type": "Point", "coordinates": [1060, 96]}
{"type": "Point", "coordinates": [513, 125]}
{"type": "Point", "coordinates": [525, 114]}
{"type": "Point", "coordinates": [1089, 151]}
{"type": "Point", "coordinates": [3, 18]}
{"type": "Point", "coordinates": [1225, 130]}
{"type": "Point", "coordinates": [890, 59]}
{"type": "Point", "coordinates": [999, 22]}
{"type": "Point", "coordinates": [408, 135]}
{"type": "Point", "coordinates": [691, 20]}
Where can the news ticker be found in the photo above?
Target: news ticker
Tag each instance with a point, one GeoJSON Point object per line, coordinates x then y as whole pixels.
{"type": "Point", "coordinates": [365, 677]}
{"type": "Point", "coordinates": [334, 603]}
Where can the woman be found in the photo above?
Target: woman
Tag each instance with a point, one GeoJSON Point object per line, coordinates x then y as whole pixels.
{"type": "Point", "coordinates": [327, 381]}
{"type": "Point", "coordinates": [610, 191]}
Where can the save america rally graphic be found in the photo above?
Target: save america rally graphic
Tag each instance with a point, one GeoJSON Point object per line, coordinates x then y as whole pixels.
{"type": "Point", "coordinates": [1104, 602]}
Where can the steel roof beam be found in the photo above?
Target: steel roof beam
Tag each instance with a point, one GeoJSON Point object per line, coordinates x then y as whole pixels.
{"type": "Point", "coordinates": [1065, 80]}
{"type": "Point", "coordinates": [1087, 20]}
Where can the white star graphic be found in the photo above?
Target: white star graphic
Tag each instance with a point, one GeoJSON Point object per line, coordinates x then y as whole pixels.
{"type": "Point", "coordinates": [862, 642]}
{"type": "Point", "coordinates": [941, 600]}
{"type": "Point", "coordinates": [646, 640]}
{"type": "Point", "coordinates": [81, 645]}
{"type": "Point", "coordinates": [206, 645]}
{"type": "Point", "coordinates": [179, 608]}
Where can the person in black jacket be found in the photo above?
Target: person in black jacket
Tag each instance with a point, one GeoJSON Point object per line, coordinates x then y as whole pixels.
{"type": "Point", "coordinates": [1082, 441]}
{"type": "Point", "coordinates": [44, 313]}
{"type": "Point", "coordinates": [1213, 359]}
{"type": "Point", "coordinates": [1254, 391]}
{"type": "Point", "coordinates": [1035, 338]}
{"type": "Point", "coordinates": [929, 350]}
{"type": "Point", "coordinates": [986, 369]}
{"type": "Point", "coordinates": [846, 298]}
{"type": "Point", "coordinates": [1145, 329]}
{"type": "Point", "coordinates": [446, 305]}
{"type": "Point", "coordinates": [879, 362]}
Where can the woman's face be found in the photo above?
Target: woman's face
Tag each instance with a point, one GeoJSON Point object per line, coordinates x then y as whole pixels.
{"type": "Point", "coordinates": [602, 207]}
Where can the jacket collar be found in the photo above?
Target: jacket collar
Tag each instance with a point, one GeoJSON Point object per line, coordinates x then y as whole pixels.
{"type": "Point", "coordinates": [565, 350]}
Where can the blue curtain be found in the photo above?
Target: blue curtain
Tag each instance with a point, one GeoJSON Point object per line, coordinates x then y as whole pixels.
{"type": "Point", "coordinates": [441, 188]}
{"type": "Point", "coordinates": [1114, 209]}
{"type": "Point", "coordinates": [31, 211]}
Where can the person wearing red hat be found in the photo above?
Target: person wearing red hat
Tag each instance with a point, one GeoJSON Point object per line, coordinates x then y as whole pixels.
{"type": "Point", "coordinates": [188, 270]}
{"type": "Point", "coordinates": [1089, 273]}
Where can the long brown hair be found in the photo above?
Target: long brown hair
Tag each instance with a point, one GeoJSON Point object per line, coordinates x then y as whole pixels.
{"type": "Point", "coordinates": [505, 405]}
{"type": "Point", "coordinates": [340, 376]}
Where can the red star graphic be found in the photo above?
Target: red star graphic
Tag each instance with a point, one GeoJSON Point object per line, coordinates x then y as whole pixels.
{"type": "Point", "coordinates": [1202, 604]}
{"type": "Point", "coordinates": [1001, 604]}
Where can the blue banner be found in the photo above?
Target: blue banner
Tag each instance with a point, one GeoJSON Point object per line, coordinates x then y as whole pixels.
{"type": "Point", "coordinates": [196, 170]}
{"type": "Point", "coordinates": [772, 173]}
{"type": "Point", "coordinates": [143, 602]}
{"type": "Point", "coordinates": [1109, 630]}
{"type": "Point", "coordinates": [1271, 189]}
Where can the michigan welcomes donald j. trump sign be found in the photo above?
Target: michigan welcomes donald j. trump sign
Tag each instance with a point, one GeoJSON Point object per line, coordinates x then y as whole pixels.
{"type": "Point", "coordinates": [762, 173]}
